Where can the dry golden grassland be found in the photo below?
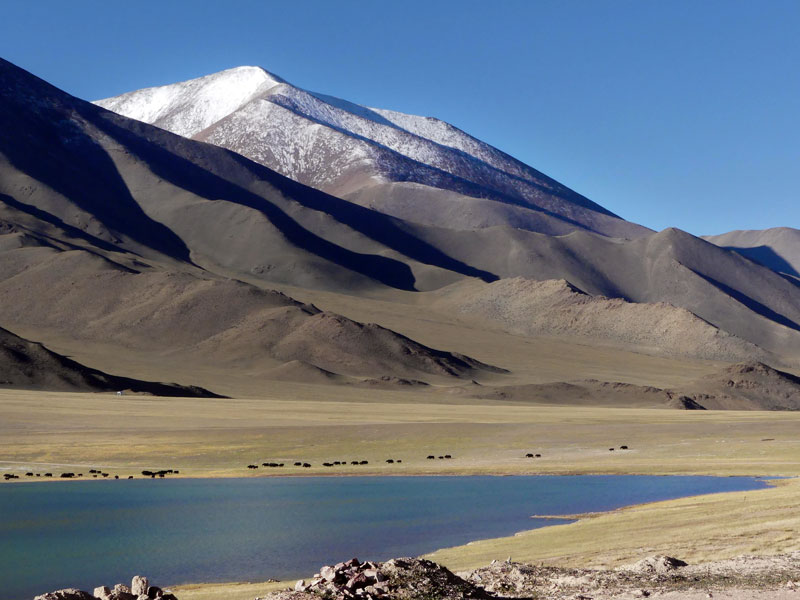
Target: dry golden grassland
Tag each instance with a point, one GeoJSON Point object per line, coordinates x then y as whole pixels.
{"type": "Point", "coordinates": [211, 437]}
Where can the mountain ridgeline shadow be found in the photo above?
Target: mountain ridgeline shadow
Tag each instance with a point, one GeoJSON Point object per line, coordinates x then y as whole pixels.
{"type": "Point", "coordinates": [59, 154]}
{"type": "Point", "coordinates": [766, 256]}
{"type": "Point", "coordinates": [750, 303]}
{"type": "Point", "coordinates": [68, 229]}
{"type": "Point", "coordinates": [204, 183]}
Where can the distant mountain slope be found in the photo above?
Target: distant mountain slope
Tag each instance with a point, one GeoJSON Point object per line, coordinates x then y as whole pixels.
{"type": "Point", "coordinates": [777, 248]}
{"type": "Point", "coordinates": [742, 386]}
{"type": "Point", "coordinates": [84, 297]}
{"type": "Point", "coordinates": [415, 168]}
{"type": "Point", "coordinates": [721, 287]}
{"type": "Point", "coordinates": [29, 365]}
{"type": "Point", "coordinates": [556, 308]}
{"type": "Point", "coordinates": [747, 386]}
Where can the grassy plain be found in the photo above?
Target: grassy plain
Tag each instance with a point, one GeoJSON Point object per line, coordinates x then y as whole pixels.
{"type": "Point", "coordinates": [309, 423]}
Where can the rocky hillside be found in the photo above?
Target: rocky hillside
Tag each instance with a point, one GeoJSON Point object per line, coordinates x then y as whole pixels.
{"type": "Point", "coordinates": [557, 308]}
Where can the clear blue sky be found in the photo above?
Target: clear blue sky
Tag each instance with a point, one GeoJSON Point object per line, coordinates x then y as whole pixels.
{"type": "Point", "coordinates": [669, 113]}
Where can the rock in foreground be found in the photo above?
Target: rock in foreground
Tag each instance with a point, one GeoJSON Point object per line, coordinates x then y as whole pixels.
{"type": "Point", "coordinates": [399, 578]}
{"type": "Point", "coordinates": [140, 589]}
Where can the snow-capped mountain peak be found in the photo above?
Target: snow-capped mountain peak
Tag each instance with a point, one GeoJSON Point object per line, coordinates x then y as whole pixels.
{"type": "Point", "coordinates": [417, 168]}
{"type": "Point", "coordinates": [188, 107]}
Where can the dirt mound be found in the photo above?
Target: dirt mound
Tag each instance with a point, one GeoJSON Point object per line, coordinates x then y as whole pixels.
{"type": "Point", "coordinates": [29, 365]}
{"type": "Point", "coordinates": [655, 564]}
{"type": "Point", "coordinates": [336, 343]}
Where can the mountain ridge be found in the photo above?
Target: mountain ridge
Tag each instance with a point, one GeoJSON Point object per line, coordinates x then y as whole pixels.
{"type": "Point", "coordinates": [347, 147]}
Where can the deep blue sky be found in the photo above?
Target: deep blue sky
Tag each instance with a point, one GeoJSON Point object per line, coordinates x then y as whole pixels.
{"type": "Point", "coordinates": [669, 113]}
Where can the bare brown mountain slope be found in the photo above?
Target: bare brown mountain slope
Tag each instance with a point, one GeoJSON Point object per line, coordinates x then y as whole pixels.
{"type": "Point", "coordinates": [29, 365]}
{"type": "Point", "coordinates": [747, 386]}
{"type": "Point", "coordinates": [213, 320]}
{"type": "Point", "coordinates": [721, 287]}
{"type": "Point", "coordinates": [556, 308]}
{"type": "Point", "coordinates": [777, 248]}
{"type": "Point", "coordinates": [741, 386]}
{"type": "Point", "coordinates": [116, 183]}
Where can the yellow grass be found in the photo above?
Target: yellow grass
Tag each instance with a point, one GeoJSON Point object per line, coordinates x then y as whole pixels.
{"type": "Point", "coordinates": [202, 437]}
{"type": "Point", "coordinates": [698, 529]}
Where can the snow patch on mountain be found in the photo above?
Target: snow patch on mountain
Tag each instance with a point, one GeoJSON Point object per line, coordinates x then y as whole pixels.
{"type": "Point", "coordinates": [188, 107]}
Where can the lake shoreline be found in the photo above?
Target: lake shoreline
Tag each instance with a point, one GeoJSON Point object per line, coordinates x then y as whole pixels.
{"type": "Point", "coordinates": [267, 586]}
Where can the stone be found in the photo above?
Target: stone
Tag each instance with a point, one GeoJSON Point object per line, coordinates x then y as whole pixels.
{"type": "Point", "coordinates": [143, 597]}
{"type": "Point", "coordinates": [139, 585]}
{"type": "Point", "coordinates": [327, 573]}
{"type": "Point", "coordinates": [356, 582]}
{"type": "Point", "coordinates": [300, 586]}
{"type": "Point", "coordinates": [66, 594]}
{"type": "Point", "coordinates": [122, 589]}
{"type": "Point", "coordinates": [102, 592]}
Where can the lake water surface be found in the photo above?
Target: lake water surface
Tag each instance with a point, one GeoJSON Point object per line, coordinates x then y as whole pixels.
{"type": "Point", "coordinates": [88, 533]}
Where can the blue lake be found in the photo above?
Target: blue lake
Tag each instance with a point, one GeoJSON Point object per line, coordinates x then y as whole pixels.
{"type": "Point", "coordinates": [88, 533]}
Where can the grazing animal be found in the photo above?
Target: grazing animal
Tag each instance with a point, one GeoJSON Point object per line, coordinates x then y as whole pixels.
{"type": "Point", "coordinates": [447, 456]}
{"type": "Point", "coordinates": [431, 457]}
{"type": "Point", "coordinates": [623, 447]}
{"type": "Point", "coordinates": [389, 460]}
{"type": "Point", "coordinates": [610, 449]}
{"type": "Point", "coordinates": [538, 456]}
{"type": "Point", "coordinates": [248, 466]}
{"type": "Point", "coordinates": [327, 464]}
{"type": "Point", "coordinates": [28, 474]}
{"type": "Point", "coordinates": [306, 465]}
{"type": "Point", "coordinates": [364, 462]}
{"type": "Point", "coordinates": [130, 476]}
{"type": "Point", "coordinates": [529, 455]}
{"type": "Point", "coordinates": [297, 464]}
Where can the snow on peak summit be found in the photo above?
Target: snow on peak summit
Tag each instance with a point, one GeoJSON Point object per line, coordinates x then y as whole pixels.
{"type": "Point", "coordinates": [188, 107]}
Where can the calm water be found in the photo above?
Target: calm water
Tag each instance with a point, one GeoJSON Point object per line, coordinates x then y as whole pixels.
{"type": "Point", "coordinates": [88, 533]}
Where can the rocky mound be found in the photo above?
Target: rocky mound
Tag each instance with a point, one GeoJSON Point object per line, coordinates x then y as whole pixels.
{"type": "Point", "coordinates": [747, 386]}
{"type": "Point", "coordinates": [557, 308]}
{"type": "Point", "coordinates": [339, 344]}
{"type": "Point", "coordinates": [742, 386]}
{"type": "Point", "coordinates": [26, 364]}
{"type": "Point", "coordinates": [396, 579]}
{"type": "Point", "coordinates": [140, 589]}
